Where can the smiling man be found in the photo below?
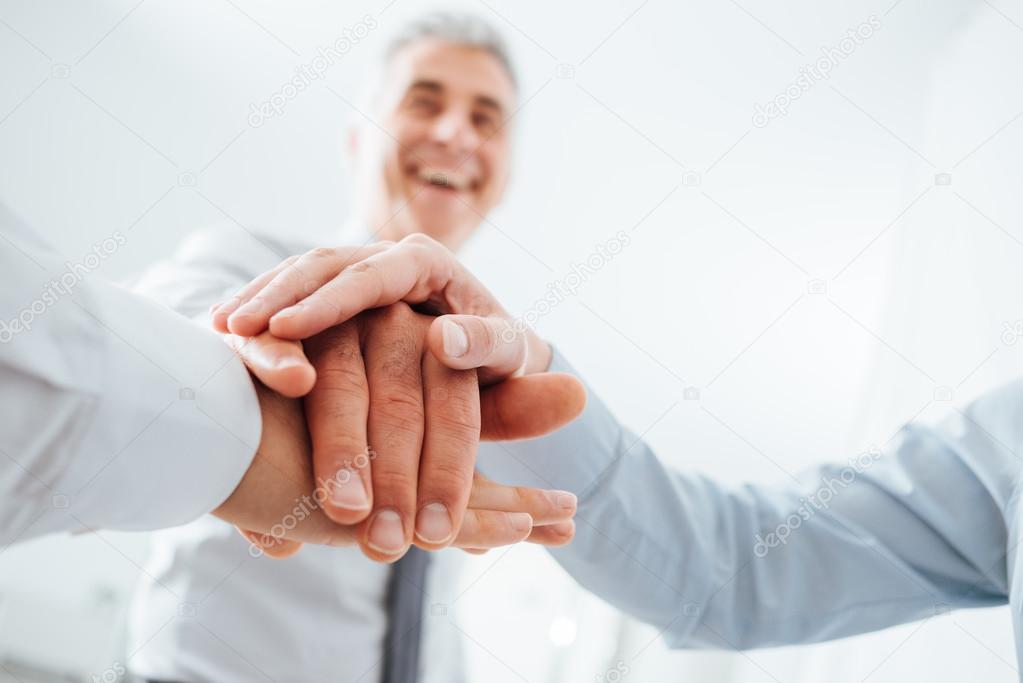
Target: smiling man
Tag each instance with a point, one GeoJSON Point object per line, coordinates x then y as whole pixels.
{"type": "Point", "coordinates": [444, 99]}
{"type": "Point", "coordinates": [433, 158]}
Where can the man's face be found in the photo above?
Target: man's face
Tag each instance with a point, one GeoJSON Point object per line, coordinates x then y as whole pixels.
{"type": "Point", "coordinates": [445, 161]}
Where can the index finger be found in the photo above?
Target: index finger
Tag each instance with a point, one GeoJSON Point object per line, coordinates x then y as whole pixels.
{"type": "Point", "coordinates": [289, 283]}
{"type": "Point", "coordinates": [416, 270]}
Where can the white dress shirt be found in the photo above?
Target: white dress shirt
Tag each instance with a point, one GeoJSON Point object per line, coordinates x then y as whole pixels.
{"type": "Point", "coordinates": [206, 610]}
{"type": "Point", "coordinates": [118, 413]}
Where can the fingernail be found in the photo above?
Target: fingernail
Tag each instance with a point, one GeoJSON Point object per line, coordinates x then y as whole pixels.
{"type": "Point", "coordinates": [456, 343]}
{"type": "Point", "coordinates": [386, 534]}
{"type": "Point", "coordinates": [433, 523]}
{"type": "Point", "coordinates": [520, 521]}
{"type": "Point", "coordinates": [565, 500]}
{"type": "Point", "coordinates": [349, 492]}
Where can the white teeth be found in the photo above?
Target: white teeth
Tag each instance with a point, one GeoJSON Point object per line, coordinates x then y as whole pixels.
{"type": "Point", "coordinates": [455, 181]}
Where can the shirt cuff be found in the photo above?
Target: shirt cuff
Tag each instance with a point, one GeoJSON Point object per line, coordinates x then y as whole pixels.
{"type": "Point", "coordinates": [175, 423]}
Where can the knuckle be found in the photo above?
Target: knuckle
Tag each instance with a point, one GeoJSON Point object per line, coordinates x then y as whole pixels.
{"type": "Point", "coordinates": [335, 374]}
{"type": "Point", "coordinates": [433, 259]}
{"type": "Point", "coordinates": [530, 500]}
{"type": "Point", "coordinates": [458, 428]}
{"type": "Point", "coordinates": [418, 239]}
{"type": "Point", "coordinates": [338, 407]}
{"type": "Point", "coordinates": [457, 417]}
{"type": "Point", "coordinates": [459, 397]}
{"type": "Point", "coordinates": [400, 408]}
{"type": "Point", "coordinates": [439, 277]}
{"type": "Point", "coordinates": [332, 344]}
{"type": "Point", "coordinates": [336, 354]}
{"type": "Point", "coordinates": [401, 368]}
{"type": "Point", "coordinates": [400, 361]}
{"type": "Point", "coordinates": [321, 253]}
{"type": "Point", "coordinates": [448, 479]}
{"type": "Point", "coordinates": [398, 313]}
{"type": "Point", "coordinates": [397, 410]}
{"type": "Point", "coordinates": [366, 267]}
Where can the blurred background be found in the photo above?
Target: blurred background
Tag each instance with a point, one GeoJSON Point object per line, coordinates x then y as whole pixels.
{"type": "Point", "coordinates": [797, 283]}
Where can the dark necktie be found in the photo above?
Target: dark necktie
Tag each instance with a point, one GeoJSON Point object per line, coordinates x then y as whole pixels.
{"type": "Point", "coordinates": [405, 593]}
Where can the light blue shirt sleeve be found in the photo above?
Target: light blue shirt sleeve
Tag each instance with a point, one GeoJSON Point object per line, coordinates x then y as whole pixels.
{"type": "Point", "coordinates": [873, 541]}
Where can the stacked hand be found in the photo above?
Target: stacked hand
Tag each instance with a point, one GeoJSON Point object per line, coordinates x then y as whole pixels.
{"type": "Point", "coordinates": [394, 405]}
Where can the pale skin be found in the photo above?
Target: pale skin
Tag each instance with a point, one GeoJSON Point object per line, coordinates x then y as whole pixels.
{"type": "Point", "coordinates": [440, 167]}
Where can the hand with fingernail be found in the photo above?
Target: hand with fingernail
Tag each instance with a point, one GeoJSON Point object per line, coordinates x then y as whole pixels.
{"type": "Point", "coordinates": [308, 294]}
{"type": "Point", "coordinates": [396, 401]}
{"type": "Point", "coordinates": [392, 395]}
{"type": "Point", "coordinates": [394, 435]}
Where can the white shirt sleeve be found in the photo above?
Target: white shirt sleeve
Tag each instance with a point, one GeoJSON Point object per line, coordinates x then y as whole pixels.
{"type": "Point", "coordinates": [118, 413]}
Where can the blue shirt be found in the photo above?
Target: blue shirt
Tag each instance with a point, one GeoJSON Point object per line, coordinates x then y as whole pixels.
{"type": "Point", "coordinates": [876, 540]}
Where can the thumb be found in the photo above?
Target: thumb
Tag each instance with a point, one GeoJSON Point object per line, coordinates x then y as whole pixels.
{"type": "Point", "coordinates": [491, 344]}
{"type": "Point", "coordinates": [530, 406]}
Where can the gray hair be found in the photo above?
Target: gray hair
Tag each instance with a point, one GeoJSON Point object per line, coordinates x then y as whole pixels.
{"type": "Point", "coordinates": [457, 28]}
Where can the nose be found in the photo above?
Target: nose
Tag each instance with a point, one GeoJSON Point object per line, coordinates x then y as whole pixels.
{"type": "Point", "coordinates": [455, 130]}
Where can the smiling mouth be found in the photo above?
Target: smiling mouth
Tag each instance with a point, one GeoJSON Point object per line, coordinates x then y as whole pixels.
{"type": "Point", "coordinates": [448, 180]}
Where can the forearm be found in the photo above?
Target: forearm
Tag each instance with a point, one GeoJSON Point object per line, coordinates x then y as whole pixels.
{"type": "Point", "coordinates": [687, 555]}
{"type": "Point", "coordinates": [123, 414]}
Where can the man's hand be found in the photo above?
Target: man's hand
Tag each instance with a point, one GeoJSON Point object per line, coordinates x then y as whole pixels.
{"type": "Point", "coordinates": [307, 294]}
{"type": "Point", "coordinates": [393, 427]}
{"type": "Point", "coordinates": [278, 505]}
{"type": "Point", "coordinates": [474, 332]}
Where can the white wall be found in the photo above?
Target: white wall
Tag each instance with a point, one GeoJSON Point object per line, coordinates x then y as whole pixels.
{"type": "Point", "coordinates": [645, 127]}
